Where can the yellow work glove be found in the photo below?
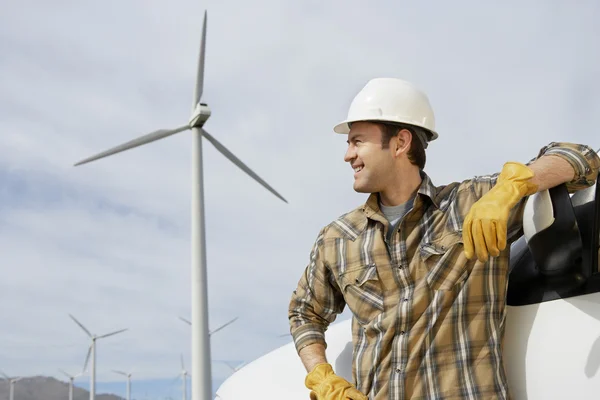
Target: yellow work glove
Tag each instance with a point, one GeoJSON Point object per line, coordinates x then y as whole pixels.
{"type": "Point", "coordinates": [485, 226]}
{"type": "Point", "coordinates": [326, 385]}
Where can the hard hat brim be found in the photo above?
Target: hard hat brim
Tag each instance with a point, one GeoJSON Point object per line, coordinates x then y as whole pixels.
{"type": "Point", "coordinates": [344, 126]}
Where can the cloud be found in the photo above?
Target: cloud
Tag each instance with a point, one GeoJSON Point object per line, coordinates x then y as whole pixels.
{"type": "Point", "coordinates": [109, 241]}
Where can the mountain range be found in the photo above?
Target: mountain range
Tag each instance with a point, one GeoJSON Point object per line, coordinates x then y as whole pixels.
{"type": "Point", "coordinates": [47, 388]}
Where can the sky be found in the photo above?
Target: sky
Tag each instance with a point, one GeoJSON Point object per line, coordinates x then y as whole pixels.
{"type": "Point", "coordinates": [108, 242]}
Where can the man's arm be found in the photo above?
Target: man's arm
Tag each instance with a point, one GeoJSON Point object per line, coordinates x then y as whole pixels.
{"type": "Point", "coordinates": [551, 167]}
{"type": "Point", "coordinates": [314, 305]}
{"type": "Point", "coordinates": [576, 165]}
{"type": "Point", "coordinates": [550, 171]}
{"type": "Point", "coordinates": [495, 216]}
{"type": "Point", "coordinates": [312, 355]}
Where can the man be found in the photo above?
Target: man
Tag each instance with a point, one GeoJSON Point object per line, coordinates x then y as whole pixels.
{"type": "Point", "coordinates": [424, 269]}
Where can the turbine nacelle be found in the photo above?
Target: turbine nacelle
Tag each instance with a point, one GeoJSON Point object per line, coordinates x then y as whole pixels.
{"type": "Point", "coordinates": [199, 116]}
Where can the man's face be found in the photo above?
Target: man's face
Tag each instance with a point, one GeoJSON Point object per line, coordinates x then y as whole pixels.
{"type": "Point", "coordinates": [373, 165]}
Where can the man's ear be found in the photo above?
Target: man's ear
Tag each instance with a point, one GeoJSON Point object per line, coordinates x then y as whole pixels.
{"type": "Point", "coordinates": [402, 142]}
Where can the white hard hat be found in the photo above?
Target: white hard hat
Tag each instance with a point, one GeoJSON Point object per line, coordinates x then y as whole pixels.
{"type": "Point", "coordinates": [390, 100]}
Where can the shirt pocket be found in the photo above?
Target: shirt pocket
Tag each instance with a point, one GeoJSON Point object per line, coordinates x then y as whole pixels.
{"type": "Point", "coordinates": [445, 262]}
{"type": "Point", "coordinates": [363, 292]}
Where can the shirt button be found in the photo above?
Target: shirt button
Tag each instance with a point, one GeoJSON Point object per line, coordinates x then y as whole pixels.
{"type": "Point", "coordinates": [402, 332]}
{"type": "Point", "coordinates": [398, 370]}
{"type": "Point", "coordinates": [405, 300]}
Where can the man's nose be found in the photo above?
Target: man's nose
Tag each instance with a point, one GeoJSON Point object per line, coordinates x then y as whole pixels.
{"type": "Point", "coordinates": [350, 154]}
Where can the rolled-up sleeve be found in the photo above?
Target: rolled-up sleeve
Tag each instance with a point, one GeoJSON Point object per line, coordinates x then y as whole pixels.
{"type": "Point", "coordinates": [316, 302]}
{"type": "Point", "coordinates": [583, 159]}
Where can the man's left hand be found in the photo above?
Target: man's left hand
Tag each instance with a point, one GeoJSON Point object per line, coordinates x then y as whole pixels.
{"type": "Point", "coordinates": [485, 226]}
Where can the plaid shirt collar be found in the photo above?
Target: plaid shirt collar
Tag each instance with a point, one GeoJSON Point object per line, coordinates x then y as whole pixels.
{"type": "Point", "coordinates": [357, 221]}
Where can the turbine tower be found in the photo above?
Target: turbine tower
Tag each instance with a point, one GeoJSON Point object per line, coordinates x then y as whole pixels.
{"type": "Point", "coordinates": [92, 352]}
{"type": "Point", "coordinates": [128, 375]}
{"type": "Point", "coordinates": [71, 379]}
{"type": "Point", "coordinates": [201, 364]}
{"type": "Point", "coordinates": [11, 382]}
{"type": "Point", "coordinates": [184, 378]}
{"type": "Point", "coordinates": [210, 333]}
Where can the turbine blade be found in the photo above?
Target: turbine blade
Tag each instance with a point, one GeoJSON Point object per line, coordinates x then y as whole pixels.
{"type": "Point", "coordinates": [119, 372]}
{"type": "Point", "coordinates": [232, 367]}
{"type": "Point", "coordinates": [87, 359]}
{"type": "Point", "coordinates": [222, 326]}
{"type": "Point", "coordinates": [4, 375]}
{"type": "Point", "coordinates": [17, 379]}
{"type": "Point", "coordinates": [229, 365]}
{"type": "Point", "coordinates": [200, 74]}
{"type": "Point", "coordinates": [240, 365]}
{"type": "Point", "coordinates": [81, 325]}
{"type": "Point", "coordinates": [185, 320]}
{"type": "Point", "coordinates": [68, 375]}
{"type": "Point", "coordinates": [112, 333]}
{"type": "Point", "coordinates": [151, 137]}
{"type": "Point", "coordinates": [239, 163]}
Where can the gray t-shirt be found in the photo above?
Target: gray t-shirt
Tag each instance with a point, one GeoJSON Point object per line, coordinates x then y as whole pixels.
{"type": "Point", "coordinates": [394, 215]}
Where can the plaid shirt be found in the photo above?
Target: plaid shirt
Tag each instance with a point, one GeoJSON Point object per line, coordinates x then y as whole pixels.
{"type": "Point", "coordinates": [427, 322]}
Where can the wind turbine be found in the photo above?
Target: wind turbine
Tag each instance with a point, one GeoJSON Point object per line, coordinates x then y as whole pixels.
{"type": "Point", "coordinates": [71, 379]}
{"type": "Point", "coordinates": [234, 368]}
{"type": "Point", "coordinates": [128, 375]}
{"type": "Point", "coordinates": [184, 378]}
{"type": "Point", "coordinates": [210, 333]}
{"type": "Point", "coordinates": [201, 359]}
{"type": "Point", "coordinates": [92, 352]}
{"type": "Point", "coordinates": [11, 382]}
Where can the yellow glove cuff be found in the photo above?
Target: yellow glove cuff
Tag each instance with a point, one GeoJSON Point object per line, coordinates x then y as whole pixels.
{"type": "Point", "coordinates": [518, 175]}
{"type": "Point", "coordinates": [326, 385]}
{"type": "Point", "coordinates": [318, 374]}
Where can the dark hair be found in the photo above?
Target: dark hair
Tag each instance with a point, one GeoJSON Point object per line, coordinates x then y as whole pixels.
{"type": "Point", "coordinates": [416, 153]}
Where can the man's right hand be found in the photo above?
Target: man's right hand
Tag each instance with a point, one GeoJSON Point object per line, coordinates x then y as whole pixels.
{"type": "Point", "coordinates": [326, 385]}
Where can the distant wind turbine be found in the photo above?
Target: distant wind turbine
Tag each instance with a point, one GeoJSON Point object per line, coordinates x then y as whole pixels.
{"type": "Point", "coordinates": [201, 359]}
{"type": "Point", "coordinates": [128, 375]}
{"type": "Point", "coordinates": [236, 368]}
{"type": "Point", "coordinates": [71, 379]}
{"type": "Point", "coordinates": [184, 378]}
{"type": "Point", "coordinates": [11, 382]}
{"type": "Point", "coordinates": [92, 352]}
{"type": "Point", "coordinates": [211, 332]}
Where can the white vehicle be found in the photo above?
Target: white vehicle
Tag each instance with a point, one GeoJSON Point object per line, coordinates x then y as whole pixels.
{"type": "Point", "coordinates": [552, 341]}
